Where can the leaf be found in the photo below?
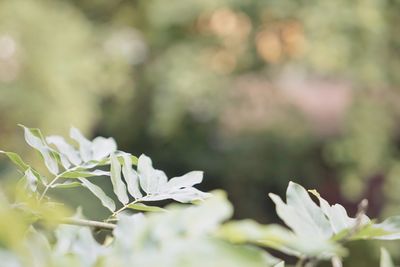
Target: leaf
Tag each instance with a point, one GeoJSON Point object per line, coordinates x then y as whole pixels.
{"type": "Point", "coordinates": [155, 183]}
{"type": "Point", "coordinates": [389, 229]}
{"type": "Point", "coordinates": [103, 147]}
{"type": "Point", "coordinates": [35, 139]}
{"type": "Point", "coordinates": [188, 194]}
{"type": "Point", "coordinates": [143, 207]}
{"type": "Point", "coordinates": [337, 215]}
{"type": "Point", "coordinates": [99, 193]}
{"type": "Point", "coordinates": [84, 173]}
{"type": "Point", "coordinates": [187, 180]}
{"type": "Point", "coordinates": [278, 238]}
{"type": "Point", "coordinates": [118, 185]}
{"type": "Point", "coordinates": [146, 174]}
{"type": "Point", "coordinates": [26, 186]}
{"type": "Point", "coordinates": [301, 214]}
{"type": "Point", "coordinates": [386, 260]}
{"type": "Point", "coordinates": [17, 160]}
{"type": "Point", "coordinates": [65, 149]}
{"type": "Point", "coordinates": [84, 144]}
{"type": "Point", "coordinates": [106, 161]}
{"type": "Point", "coordinates": [67, 184]}
{"type": "Point", "coordinates": [131, 176]}
{"type": "Point", "coordinates": [95, 150]}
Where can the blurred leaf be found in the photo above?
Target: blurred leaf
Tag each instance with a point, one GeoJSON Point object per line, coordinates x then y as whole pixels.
{"type": "Point", "coordinates": [386, 260]}
{"type": "Point", "coordinates": [17, 160]}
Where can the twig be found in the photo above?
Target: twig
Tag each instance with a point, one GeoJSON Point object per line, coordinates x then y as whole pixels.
{"type": "Point", "coordinates": [48, 186]}
{"type": "Point", "coordinates": [95, 224]}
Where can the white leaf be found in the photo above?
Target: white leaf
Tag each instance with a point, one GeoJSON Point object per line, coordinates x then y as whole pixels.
{"type": "Point", "coordinates": [65, 149]}
{"type": "Point", "coordinates": [85, 146]}
{"type": "Point", "coordinates": [302, 214]}
{"type": "Point", "coordinates": [131, 177]}
{"type": "Point", "coordinates": [99, 193]}
{"type": "Point", "coordinates": [189, 194]}
{"type": "Point", "coordinates": [187, 180]}
{"type": "Point", "coordinates": [146, 173]}
{"type": "Point", "coordinates": [118, 185]}
{"type": "Point", "coordinates": [103, 147]}
{"type": "Point", "coordinates": [34, 138]}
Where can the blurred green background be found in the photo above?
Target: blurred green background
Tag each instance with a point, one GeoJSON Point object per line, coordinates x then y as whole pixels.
{"type": "Point", "coordinates": [255, 93]}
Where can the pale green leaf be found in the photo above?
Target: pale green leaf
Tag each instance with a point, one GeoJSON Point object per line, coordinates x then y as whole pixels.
{"type": "Point", "coordinates": [64, 148]}
{"type": "Point", "coordinates": [301, 214]}
{"type": "Point", "coordinates": [118, 185]}
{"type": "Point", "coordinates": [151, 180]}
{"type": "Point", "coordinates": [143, 207]}
{"type": "Point", "coordinates": [99, 193]}
{"type": "Point", "coordinates": [102, 147]}
{"type": "Point", "coordinates": [17, 160]}
{"type": "Point", "coordinates": [337, 215]}
{"type": "Point", "coordinates": [35, 139]}
{"type": "Point", "coordinates": [187, 180]}
{"type": "Point", "coordinates": [84, 173]}
{"type": "Point", "coordinates": [131, 176]}
{"type": "Point", "coordinates": [84, 144]}
{"type": "Point", "coordinates": [67, 184]}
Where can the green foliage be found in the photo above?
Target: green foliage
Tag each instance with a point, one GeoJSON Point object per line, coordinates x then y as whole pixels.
{"type": "Point", "coordinates": [35, 231]}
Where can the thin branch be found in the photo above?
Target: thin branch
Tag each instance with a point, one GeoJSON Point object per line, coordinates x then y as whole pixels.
{"type": "Point", "coordinates": [94, 224]}
{"type": "Point", "coordinates": [115, 213]}
{"type": "Point", "coordinates": [48, 186]}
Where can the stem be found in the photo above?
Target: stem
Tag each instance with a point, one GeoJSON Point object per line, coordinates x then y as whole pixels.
{"type": "Point", "coordinates": [48, 186]}
{"type": "Point", "coordinates": [115, 213]}
{"type": "Point", "coordinates": [82, 222]}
